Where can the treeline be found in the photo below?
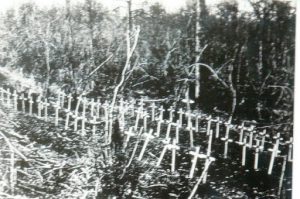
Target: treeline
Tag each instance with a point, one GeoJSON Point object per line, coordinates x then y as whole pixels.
{"type": "Point", "coordinates": [247, 58]}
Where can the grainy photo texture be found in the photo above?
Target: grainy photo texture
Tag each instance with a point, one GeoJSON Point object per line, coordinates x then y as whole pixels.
{"type": "Point", "coordinates": [113, 99]}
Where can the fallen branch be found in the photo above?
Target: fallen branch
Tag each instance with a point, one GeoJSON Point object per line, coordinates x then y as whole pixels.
{"type": "Point", "coordinates": [12, 147]}
{"type": "Point", "coordinates": [97, 68]}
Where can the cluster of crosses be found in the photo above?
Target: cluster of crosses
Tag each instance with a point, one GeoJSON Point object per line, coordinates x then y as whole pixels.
{"type": "Point", "coordinates": [94, 112]}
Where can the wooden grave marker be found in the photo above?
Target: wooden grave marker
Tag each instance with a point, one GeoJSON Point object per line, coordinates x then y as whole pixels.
{"type": "Point", "coordinates": [218, 127]}
{"type": "Point", "coordinates": [40, 105]}
{"type": "Point", "coordinates": [171, 111]}
{"type": "Point", "coordinates": [98, 108]}
{"type": "Point", "coordinates": [68, 111]}
{"type": "Point", "coordinates": [157, 134]}
{"type": "Point", "coordinates": [145, 120]}
{"type": "Point", "coordinates": [173, 147]}
{"type": "Point", "coordinates": [46, 104]}
{"type": "Point", "coordinates": [22, 97]}
{"type": "Point", "coordinates": [153, 107]}
{"type": "Point", "coordinates": [83, 116]}
{"type": "Point", "coordinates": [209, 120]}
{"type": "Point", "coordinates": [30, 104]}
{"type": "Point", "coordinates": [251, 133]}
{"type": "Point", "coordinates": [57, 107]}
{"type": "Point", "coordinates": [161, 114]}
{"type": "Point", "coordinates": [208, 153]}
{"type": "Point", "coordinates": [226, 139]}
{"type": "Point", "coordinates": [139, 114]}
{"type": "Point", "coordinates": [128, 134]}
{"type": "Point", "coordinates": [290, 150]}
{"type": "Point", "coordinates": [275, 151]}
{"type": "Point", "coordinates": [244, 151]}
{"type": "Point", "coordinates": [257, 148]}
{"type": "Point", "coordinates": [181, 112]}
{"type": "Point", "coordinates": [94, 124]}
{"type": "Point", "coordinates": [62, 100]}
{"type": "Point", "coordinates": [190, 129]}
{"type": "Point", "coordinates": [15, 96]}
{"type": "Point", "coordinates": [148, 137]}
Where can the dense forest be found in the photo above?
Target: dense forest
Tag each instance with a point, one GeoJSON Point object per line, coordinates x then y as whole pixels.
{"type": "Point", "coordinates": [244, 57]}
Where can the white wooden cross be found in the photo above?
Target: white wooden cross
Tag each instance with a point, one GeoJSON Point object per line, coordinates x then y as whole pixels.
{"type": "Point", "coordinates": [98, 108]}
{"type": "Point", "coordinates": [92, 107]}
{"type": "Point", "coordinates": [251, 131]}
{"type": "Point", "coordinates": [148, 136]}
{"type": "Point", "coordinates": [57, 107]}
{"type": "Point", "coordinates": [122, 119]}
{"type": "Point", "coordinates": [15, 95]}
{"type": "Point", "coordinates": [181, 112]}
{"type": "Point", "coordinates": [178, 126]}
{"type": "Point", "coordinates": [106, 118]}
{"type": "Point", "coordinates": [141, 104]}
{"type": "Point", "coordinates": [168, 130]}
{"type": "Point", "coordinates": [83, 117]}
{"type": "Point", "coordinates": [63, 95]}
{"type": "Point", "coordinates": [158, 128]}
{"type": "Point", "coordinates": [208, 125]}
{"type": "Point", "coordinates": [94, 123]}
{"type": "Point", "coordinates": [39, 101]}
{"type": "Point", "coordinates": [190, 129]}
{"type": "Point", "coordinates": [173, 147]}
{"type": "Point", "coordinates": [208, 153]}
{"type": "Point", "coordinates": [161, 115]}
{"type": "Point", "coordinates": [153, 107]}
{"type": "Point", "coordinates": [244, 152]}
{"type": "Point", "coordinates": [290, 153]}
{"type": "Point", "coordinates": [165, 142]}
{"type": "Point", "coordinates": [132, 108]}
{"type": "Point", "coordinates": [171, 111]}
{"type": "Point", "coordinates": [68, 111]}
{"type": "Point", "coordinates": [217, 127]}
{"type": "Point", "coordinates": [128, 134]}
{"type": "Point", "coordinates": [46, 104]}
{"type": "Point", "coordinates": [23, 102]}
{"type": "Point", "coordinates": [194, 161]}
{"type": "Point", "coordinates": [75, 115]}
{"type": "Point", "coordinates": [79, 99]}
{"type": "Point", "coordinates": [226, 138]}
{"type": "Point", "coordinates": [275, 152]}
{"type": "Point", "coordinates": [263, 136]}
{"type": "Point", "coordinates": [209, 143]}
{"type": "Point", "coordinates": [145, 118]}
{"type": "Point", "coordinates": [189, 121]}
{"type": "Point", "coordinates": [197, 117]}
{"type": "Point", "coordinates": [139, 114]}
{"type": "Point", "coordinates": [242, 127]}
{"type": "Point", "coordinates": [30, 104]}
{"type": "Point", "coordinates": [257, 150]}
{"type": "Point", "coordinates": [105, 107]}
{"type": "Point", "coordinates": [197, 155]}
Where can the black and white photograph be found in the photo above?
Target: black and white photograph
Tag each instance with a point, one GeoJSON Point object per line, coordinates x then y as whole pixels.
{"type": "Point", "coordinates": [147, 99]}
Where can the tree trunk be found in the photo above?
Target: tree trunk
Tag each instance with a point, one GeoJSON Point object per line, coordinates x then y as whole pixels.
{"type": "Point", "coordinates": [200, 9]}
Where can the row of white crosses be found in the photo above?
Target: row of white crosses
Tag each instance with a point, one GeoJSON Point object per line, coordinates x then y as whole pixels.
{"type": "Point", "coordinates": [245, 139]}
